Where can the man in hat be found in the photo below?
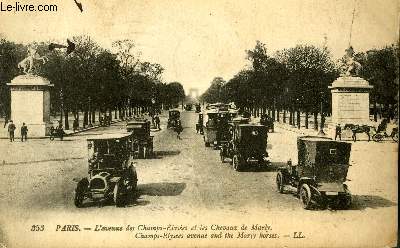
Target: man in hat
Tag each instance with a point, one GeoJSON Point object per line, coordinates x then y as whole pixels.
{"type": "Point", "coordinates": [24, 132]}
{"type": "Point", "coordinates": [11, 129]}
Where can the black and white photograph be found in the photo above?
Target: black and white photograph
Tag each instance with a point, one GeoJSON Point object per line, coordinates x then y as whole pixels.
{"type": "Point", "coordinates": [188, 123]}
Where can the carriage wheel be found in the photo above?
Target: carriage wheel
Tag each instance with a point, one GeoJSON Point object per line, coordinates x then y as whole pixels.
{"type": "Point", "coordinates": [396, 137]}
{"type": "Point", "coordinates": [279, 182]}
{"type": "Point", "coordinates": [305, 196]}
{"type": "Point", "coordinates": [377, 137]}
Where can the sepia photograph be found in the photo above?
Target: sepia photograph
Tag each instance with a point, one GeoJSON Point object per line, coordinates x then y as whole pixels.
{"type": "Point", "coordinates": [188, 123]}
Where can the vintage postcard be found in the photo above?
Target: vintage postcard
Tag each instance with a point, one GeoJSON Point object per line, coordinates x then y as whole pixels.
{"type": "Point", "coordinates": [188, 123]}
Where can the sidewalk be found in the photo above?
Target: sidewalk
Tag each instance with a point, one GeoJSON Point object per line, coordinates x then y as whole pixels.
{"type": "Point", "coordinates": [4, 134]}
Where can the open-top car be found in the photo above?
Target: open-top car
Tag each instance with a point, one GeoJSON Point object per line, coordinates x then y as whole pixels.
{"type": "Point", "coordinates": [320, 174]}
{"type": "Point", "coordinates": [142, 140]}
{"type": "Point", "coordinates": [247, 144]}
{"type": "Point", "coordinates": [111, 174]}
{"type": "Point", "coordinates": [173, 117]}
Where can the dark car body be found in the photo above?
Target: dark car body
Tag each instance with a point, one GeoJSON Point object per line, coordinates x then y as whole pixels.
{"type": "Point", "coordinates": [321, 172]}
{"type": "Point", "coordinates": [173, 116]}
{"type": "Point", "coordinates": [142, 140]}
{"type": "Point", "coordinates": [247, 143]}
{"type": "Point", "coordinates": [111, 173]}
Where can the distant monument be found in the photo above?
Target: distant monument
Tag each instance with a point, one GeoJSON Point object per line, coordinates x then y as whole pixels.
{"type": "Point", "coordinates": [30, 97]}
{"type": "Point", "coordinates": [350, 93]}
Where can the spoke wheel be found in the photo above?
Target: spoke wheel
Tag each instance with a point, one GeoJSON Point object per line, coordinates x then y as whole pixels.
{"type": "Point", "coordinates": [279, 182]}
{"type": "Point", "coordinates": [236, 163]}
{"type": "Point", "coordinates": [305, 196]}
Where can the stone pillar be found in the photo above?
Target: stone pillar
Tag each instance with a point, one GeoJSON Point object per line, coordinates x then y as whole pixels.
{"type": "Point", "coordinates": [30, 103]}
{"type": "Point", "coordinates": [350, 100]}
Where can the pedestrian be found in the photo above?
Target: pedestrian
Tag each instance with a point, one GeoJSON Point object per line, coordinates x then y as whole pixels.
{"type": "Point", "coordinates": [11, 129]}
{"type": "Point", "coordinates": [178, 129]}
{"type": "Point", "coordinates": [338, 132]}
{"type": "Point", "coordinates": [157, 119]}
{"type": "Point", "coordinates": [24, 132]}
{"type": "Point", "coordinates": [75, 125]}
{"type": "Point", "coordinates": [5, 122]}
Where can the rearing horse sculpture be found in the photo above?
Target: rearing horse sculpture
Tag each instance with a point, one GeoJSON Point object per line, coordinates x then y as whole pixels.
{"type": "Point", "coordinates": [27, 64]}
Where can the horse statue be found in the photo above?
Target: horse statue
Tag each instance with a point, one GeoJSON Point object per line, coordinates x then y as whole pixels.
{"type": "Point", "coordinates": [349, 66]}
{"type": "Point", "coordinates": [27, 64]}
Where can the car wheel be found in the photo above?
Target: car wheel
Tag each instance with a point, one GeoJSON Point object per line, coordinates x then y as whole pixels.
{"type": "Point", "coordinates": [280, 182]}
{"type": "Point", "coordinates": [377, 137]}
{"type": "Point", "coordinates": [119, 197]}
{"type": "Point", "coordinates": [80, 192]}
{"type": "Point", "coordinates": [236, 163]}
{"type": "Point", "coordinates": [305, 196]}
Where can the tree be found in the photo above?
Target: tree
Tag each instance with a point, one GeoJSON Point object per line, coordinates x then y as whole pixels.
{"type": "Point", "coordinates": [380, 68]}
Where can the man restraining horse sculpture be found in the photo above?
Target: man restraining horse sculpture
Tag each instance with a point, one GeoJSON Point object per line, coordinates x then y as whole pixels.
{"type": "Point", "coordinates": [27, 64]}
{"type": "Point", "coordinates": [348, 66]}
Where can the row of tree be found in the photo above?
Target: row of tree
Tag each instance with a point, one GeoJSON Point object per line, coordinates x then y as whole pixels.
{"type": "Point", "coordinates": [93, 79]}
{"type": "Point", "coordinates": [296, 80]}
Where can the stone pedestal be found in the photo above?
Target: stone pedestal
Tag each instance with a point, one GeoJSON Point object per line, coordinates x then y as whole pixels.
{"type": "Point", "coordinates": [30, 103]}
{"type": "Point", "coordinates": [350, 100]}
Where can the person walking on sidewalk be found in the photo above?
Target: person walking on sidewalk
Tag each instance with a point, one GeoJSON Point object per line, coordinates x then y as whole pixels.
{"type": "Point", "coordinates": [338, 132]}
{"type": "Point", "coordinates": [24, 132]}
{"type": "Point", "coordinates": [11, 129]}
{"type": "Point", "coordinates": [157, 120]}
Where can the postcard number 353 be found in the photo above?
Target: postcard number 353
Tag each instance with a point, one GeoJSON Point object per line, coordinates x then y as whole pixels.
{"type": "Point", "coordinates": [37, 228]}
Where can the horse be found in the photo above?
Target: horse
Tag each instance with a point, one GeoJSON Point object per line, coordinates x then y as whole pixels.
{"type": "Point", "coordinates": [27, 64]}
{"type": "Point", "coordinates": [358, 129]}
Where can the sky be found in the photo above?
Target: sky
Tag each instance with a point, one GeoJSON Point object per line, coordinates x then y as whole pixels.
{"type": "Point", "coordinates": [197, 40]}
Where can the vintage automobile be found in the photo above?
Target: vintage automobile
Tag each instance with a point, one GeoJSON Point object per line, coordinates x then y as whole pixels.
{"type": "Point", "coordinates": [215, 127]}
{"type": "Point", "coordinates": [188, 107]}
{"type": "Point", "coordinates": [247, 143]}
{"type": "Point", "coordinates": [321, 173]}
{"type": "Point", "coordinates": [198, 108]}
{"type": "Point", "coordinates": [142, 140]}
{"type": "Point", "coordinates": [199, 124]}
{"type": "Point", "coordinates": [267, 121]}
{"type": "Point", "coordinates": [111, 174]}
{"type": "Point", "coordinates": [173, 117]}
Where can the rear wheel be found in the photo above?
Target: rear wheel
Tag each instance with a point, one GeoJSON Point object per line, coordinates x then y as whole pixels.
{"type": "Point", "coordinates": [280, 182]}
{"type": "Point", "coordinates": [305, 196]}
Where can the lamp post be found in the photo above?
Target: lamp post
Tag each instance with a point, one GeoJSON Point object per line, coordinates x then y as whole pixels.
{"type": "Point", "coordinates": [321, 129]}
{"type": "Point", "coordinates": [89, 113]}
{"type": "Point", "coordinates": [61, 105]}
